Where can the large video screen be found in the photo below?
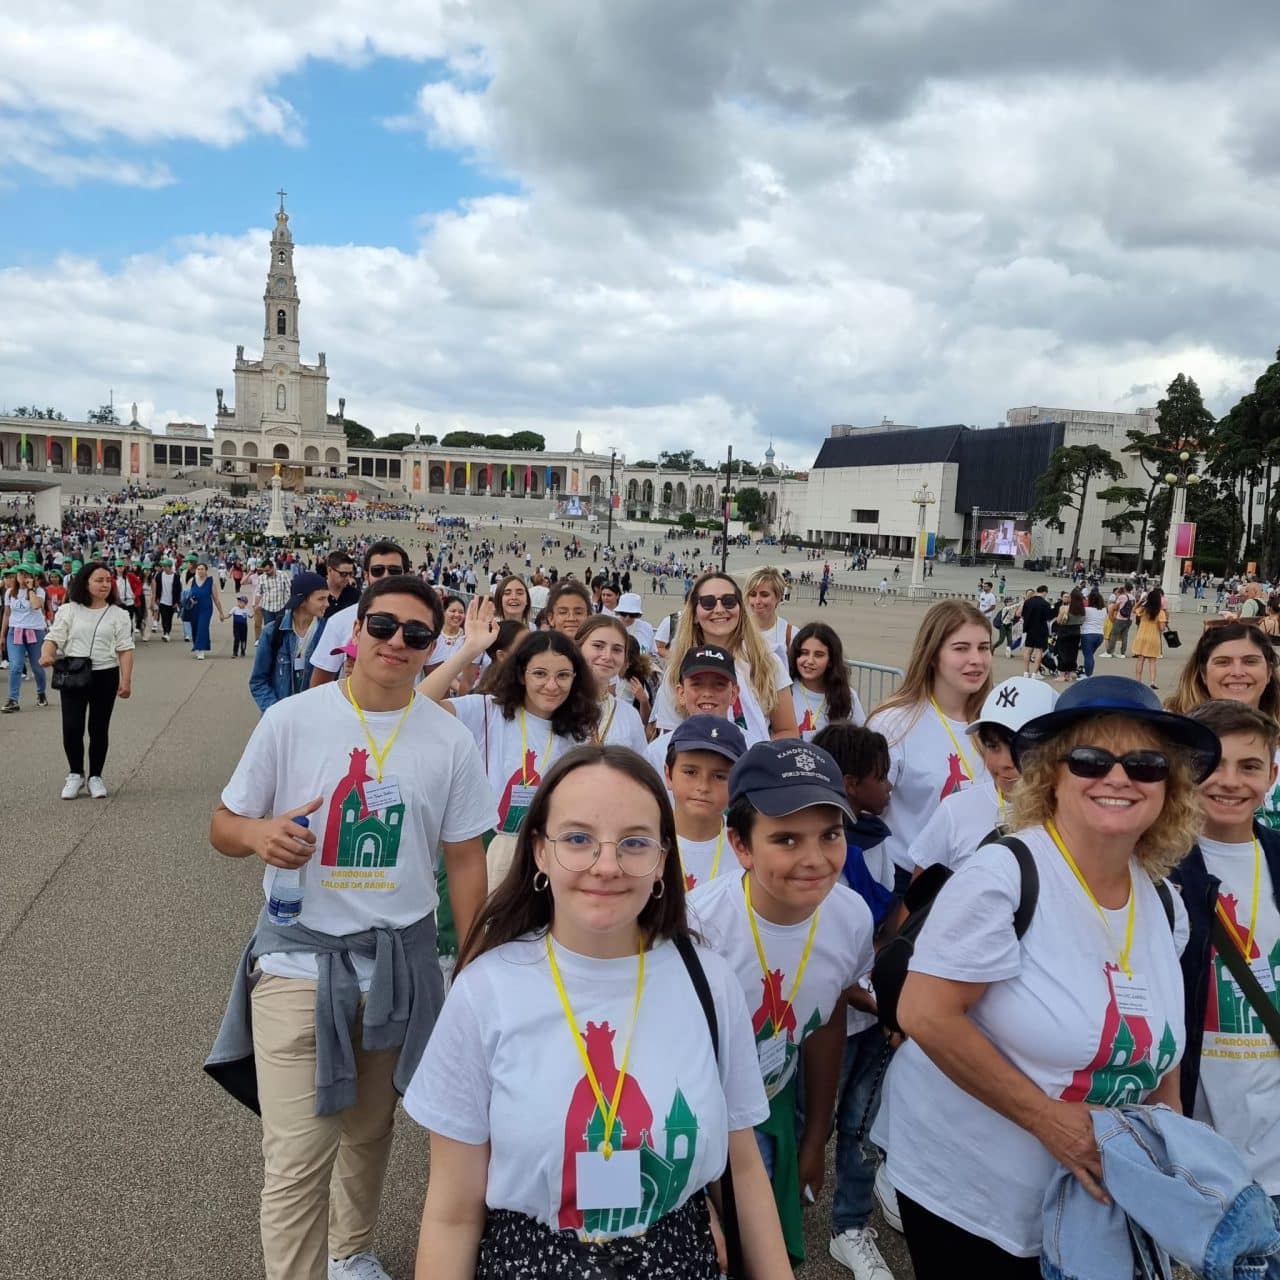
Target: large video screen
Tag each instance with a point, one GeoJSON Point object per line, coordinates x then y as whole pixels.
{"type": "Point", "coordinates": [1001, 536]}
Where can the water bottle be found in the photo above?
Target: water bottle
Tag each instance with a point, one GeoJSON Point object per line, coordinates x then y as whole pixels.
{"type": "Point", "coordinates": [284, 897]}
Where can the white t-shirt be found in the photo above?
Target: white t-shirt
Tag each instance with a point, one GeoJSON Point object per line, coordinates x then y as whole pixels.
{"type": "Point", "coordinates": [538, 594]}
{"type": "Point", "coordinates": [841, 954]}
{"type": "Point", "coordinates": [746, 713]}
{"type": "Point", "coordinates": [373, 866]}
{"type": "Point", "coordinates": [663, 634]}
{"type": "Point", "coordinates": [502, 750]}
{"type": "Point", "coordinates": [1051, 1008]}
{"type": "Point", "coordinates": [812, 713]}
{"type": "Point", "coordinates": [958, 827]}
{"type": "Point", "coordinates": [987, 604]}
{"type": "Point", "coordinates": [924, 768]}
{"type": "Point", "coordinates": [656, 752]}
{"type": "Point", "coordinates": [444, 648]}
{"type": "Point", "coordinates": [1239, 1093]}
{"type": "Point", "coordinates": [643, 634]}
{"type": "Point", "coordinates": [622, 726]}
{"type": "Point", "coordinates": [336, 636]}
{"type": "Point", "coordinates": [501, 1067]}
{"type": "Point", "coordinates": [706, 860]}
{"type": "Point", "coordinates": [26, 609]}
{"type": "Point", "coordinates": [778, 637]}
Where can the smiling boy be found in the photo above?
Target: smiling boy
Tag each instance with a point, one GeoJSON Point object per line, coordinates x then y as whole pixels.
{"type": "Point", "coordinates": [708, 686]}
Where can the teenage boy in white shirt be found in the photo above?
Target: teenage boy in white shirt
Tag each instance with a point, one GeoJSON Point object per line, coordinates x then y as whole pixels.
{"type": "Point", "coordinates": [389, 783]}
{"type": "Point", "coordinates": [708, 686]}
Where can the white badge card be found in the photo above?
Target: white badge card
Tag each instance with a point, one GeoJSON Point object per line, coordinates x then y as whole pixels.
{"type": "Point", "coordinates": [1133, 995]}
{"type": "Point", "coordinates": [772, 1054]}
{"type": "Point", "coordinates": [522, 796]}
{"type": "Point", "coordinates": [382, 795]}
{"type": "Point", "coordinates": [1261, 968]}
{"type": "Point", "coordinates": [609, 1184]}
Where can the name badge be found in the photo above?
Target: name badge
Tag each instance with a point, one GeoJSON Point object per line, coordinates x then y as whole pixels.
{"type": "Point", "coordinates": [382, 795]}
{"type": "Point", "coordinates": [772, 1054]}
{"type": "Point", "coordinates": [1261, 968]}
{"type": "Point", "coordinates": [1133, 995]}
{"type": "Point", "coordinates": [521, 797]}
{"type": "Point", "coordinates": [609, 1184]}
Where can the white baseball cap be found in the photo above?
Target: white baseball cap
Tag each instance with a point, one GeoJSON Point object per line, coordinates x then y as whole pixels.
{"type": "Point", "coordinates": [629, 602]}
{"type": "Point", "coordinates": [1014, 702]}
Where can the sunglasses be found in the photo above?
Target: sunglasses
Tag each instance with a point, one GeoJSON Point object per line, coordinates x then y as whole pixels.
{"type": "Point", "coordinates": [377, 570]}
{"type": "Point", "coordinates": [382, 626]}
{"type": "Point", "coordinates": [727, 601]}
{"type": "Point", "coordinates": [1095, 762]}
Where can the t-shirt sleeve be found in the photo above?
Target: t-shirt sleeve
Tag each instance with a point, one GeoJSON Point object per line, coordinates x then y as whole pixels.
{"type": "Point", "coordinates": [251, 793]}
{"type": "Point", "coordinates": [123, 632]}
{"type": "Point", "coordinates": [60, 631]}
{"type": "Point", "coordinates": [471, 710]}
{"type": "Point", "coordinates": [469, 810]}
{"type": "Point", "coordinates": [934, 843]}
{"type": "Point", "coordinates": [744, 1095]}
{"type": "Point", "coordinates": [1181, 921]}
{"type": "Point", "coordinates": [856, 714]}
{"type": "Point", "coordinates": [969, 935]}
{"type": "Point", "coordinates": [663, 634]}
{"type": "Point", "coordinates": [336, 634]}
{"type": "Point", "coordinates": [450, 1091]}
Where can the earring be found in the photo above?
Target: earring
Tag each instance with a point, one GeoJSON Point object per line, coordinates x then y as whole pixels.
{"type": "Point", "coordinates": [546, 880]}
{"type": "Point", "coordinates": [659, 888]}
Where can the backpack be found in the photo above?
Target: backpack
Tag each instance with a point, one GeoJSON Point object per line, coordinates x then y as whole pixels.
{"type": "Point", "coordinates": [1125, 612]}
{"type": "Point", "coordinates": [889, 971]}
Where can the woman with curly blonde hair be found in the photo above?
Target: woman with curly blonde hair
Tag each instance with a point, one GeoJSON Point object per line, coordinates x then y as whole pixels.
{"type": "Point", "coordinates": [715, 613]}
{"type": "Point", "coordinates": [1014, 1039]}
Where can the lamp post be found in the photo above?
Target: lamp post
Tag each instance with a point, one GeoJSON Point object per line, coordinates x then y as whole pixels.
{"type": "Point", "coordinates": [1179, 481]}
{"type": "Point", "coordinates": [726, 496]}
{"type": "Point", "coordinates": [923, 499]}
{"type": "Point", "coordinates": [613, 454]}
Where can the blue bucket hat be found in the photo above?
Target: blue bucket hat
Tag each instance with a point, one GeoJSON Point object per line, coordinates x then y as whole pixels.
{"type": "Point", "coordinates": [1121, 696]}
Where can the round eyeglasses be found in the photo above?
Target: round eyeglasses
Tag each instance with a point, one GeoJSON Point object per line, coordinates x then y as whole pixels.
{"type": "Point", "coordinates": [580, 851]}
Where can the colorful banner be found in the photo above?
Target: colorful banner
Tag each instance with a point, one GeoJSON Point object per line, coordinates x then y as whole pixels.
{"type": "Point", "coordinates": [48, 448]}
{"type": "Point", "coordinates": [509, 481]}
{"type": "Point", "coordinates": [573, 481]}
{"type": "Point", "coordinates": [75, 453]}
{"type": "Point", "coordinates": [1184, 540]}
{"type": "Point", "coordinates": [99, 453]}
{"type": "Point", "coordinates": [528, 477]}
{"type": "Point", "coordinates": [488, 475]}
{"type": "Point", "coordinates": [468, 477]}
{"type": "Point", "coordinates": [22, 448]}
{"type": "Point", "coordinates": [417, 476]}
{"type": "Point", "coordinates": [548, 483]}
{"type": "Point", "coordinates": [135, 464]}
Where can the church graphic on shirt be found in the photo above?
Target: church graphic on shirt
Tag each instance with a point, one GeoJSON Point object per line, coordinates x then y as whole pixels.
{"type": "Point", "coordinates": [354, 834]}
{"type": "Point", "coordinates": [955, 779]}
{"type": "Point", "coordinates": [1228, 1011]}
{"type": "Point", "coordinates": [1128, 1064]}
{"type": "Point", "coordinates": [775, 1015]}
{"type": "Point", "coordinates": [663, 1176]}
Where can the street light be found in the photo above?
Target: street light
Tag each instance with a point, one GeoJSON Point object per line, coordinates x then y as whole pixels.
{"type": "Point", "coordinates": [613, 453]}
{"type": "Point", "coordinates": [1179, 481]}
{"type": "Point", "coordinates": [726, 497]}
{"type": "Point", "coordinates": [923, 499]}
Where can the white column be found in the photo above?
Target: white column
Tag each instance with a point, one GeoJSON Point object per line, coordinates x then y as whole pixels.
{"type": "Point", "coordinates": [1172, 584]}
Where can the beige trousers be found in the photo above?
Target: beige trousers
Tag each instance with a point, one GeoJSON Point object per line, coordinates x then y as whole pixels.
{"type": "Point", "coordinates": [323, 1174]}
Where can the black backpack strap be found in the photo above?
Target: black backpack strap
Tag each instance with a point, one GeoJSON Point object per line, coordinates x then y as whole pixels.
{"type": "Point", "coordinates": [1166, 900]}
{"type": "Point", "coordinates": [728, 1201]}
{"type": "Point", "coordinates": [1030, 874]}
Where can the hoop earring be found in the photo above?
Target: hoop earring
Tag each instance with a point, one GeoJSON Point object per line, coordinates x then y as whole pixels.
{"type": "Point", "coordinates": [659, 888]}
{"type": "Point", "coordinates": [546, 880]}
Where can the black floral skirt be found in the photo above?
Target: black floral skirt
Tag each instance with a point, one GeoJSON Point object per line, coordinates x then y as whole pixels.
{"type": "Point", "coordinates": [679, 1246]}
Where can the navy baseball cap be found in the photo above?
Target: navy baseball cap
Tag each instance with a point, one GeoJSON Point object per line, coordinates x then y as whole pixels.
{"type": "Point", "coordinates": [708, 733]}
{"type": "Point", "coordinates": [787, 775]}
{"type": "Point", "coordinates": [708, 657]}
{"type": "Point", "coordinates": [303, 586]}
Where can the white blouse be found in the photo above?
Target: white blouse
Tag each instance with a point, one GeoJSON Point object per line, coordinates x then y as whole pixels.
{"type": "Point", "coordinates": [98, 634]}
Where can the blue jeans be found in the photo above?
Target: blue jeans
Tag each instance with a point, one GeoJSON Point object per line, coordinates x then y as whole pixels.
{"type": "Point", "coordinates": [856, 1157]}
{"type": "Point", "coordinates": [767, 1150]}
{"type": "Point", "coordinates": [1089, 646]}
{"type": "Point", "coordinates": [18, 652]}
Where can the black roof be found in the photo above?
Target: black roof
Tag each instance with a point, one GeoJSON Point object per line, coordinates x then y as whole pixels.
{"type": "Point", "coordinates": [890, 448]}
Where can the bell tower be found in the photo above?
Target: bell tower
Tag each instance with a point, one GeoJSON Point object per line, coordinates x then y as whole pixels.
{"type": "Point", "coordinates": [280, 301]}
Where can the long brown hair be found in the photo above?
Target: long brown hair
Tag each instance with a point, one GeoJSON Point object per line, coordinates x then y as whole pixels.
{"type": "Point", "coordinates": [578, 714]}
{"type": "Point", "coordinates": [942, 620]}
{"type": "Point", "coordinates": [1192, 689]}
{"type": "Point", "coordinates": [515, 908]}
{"type": "Point", "coordinates": [502, 586]}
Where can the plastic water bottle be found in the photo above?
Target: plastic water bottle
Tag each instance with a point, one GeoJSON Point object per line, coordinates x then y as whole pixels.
{"type": "Point", "coordinates": [284, 898]}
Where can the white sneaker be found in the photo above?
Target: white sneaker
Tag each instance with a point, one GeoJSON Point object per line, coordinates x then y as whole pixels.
{"type": "Point", "coordinates": [886, 1196]}
{"type": "Point", "coordinates": [97, 788]}
{"type": "Point", "coordinates": [857, 1250]}
{"type": "Point", "coordinates": [360, 1266]}
{"type": "Point", "coordinates": [73, 786]}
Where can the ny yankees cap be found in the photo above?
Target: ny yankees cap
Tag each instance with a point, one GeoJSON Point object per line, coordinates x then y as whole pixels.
{"type": "Point", "coordinates": [1013, 702]}
{"type": "Point", "coordinates": [708, 733]}
{"type": "Point", "coordinates": [787, 775]}
{"type": "Point", "coordinates": [708, 657]}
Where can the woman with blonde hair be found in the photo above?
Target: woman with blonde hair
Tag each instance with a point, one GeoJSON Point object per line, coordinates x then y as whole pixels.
{"type": "Point", "coordinates": [766, 590]}
{"type": "Point", "coordinates": [714, 613]}
{"type": "Point", "coordinates": [925, 721]}
{"type": "Point", "coordinates": [1018, 1031]}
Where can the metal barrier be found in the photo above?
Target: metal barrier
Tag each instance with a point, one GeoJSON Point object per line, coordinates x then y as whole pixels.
{"type": "Point", "coordinates": [873, 682]}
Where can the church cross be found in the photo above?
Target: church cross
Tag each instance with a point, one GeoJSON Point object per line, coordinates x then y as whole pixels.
{"type": "Point", "coordinates": [282, 193]}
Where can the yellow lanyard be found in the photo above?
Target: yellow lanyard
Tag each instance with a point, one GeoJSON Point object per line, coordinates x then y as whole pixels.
{"type": "Point", "coordinates": [1097, 906]}
{"type": "Point", "coordinates": [822, 705]}
{"type": "Point", "coordinates": [955, 742]}
{"type": "Point", "coordinates": [609, 1111]}
{"type": "Point", "coordinates": [1246, 947]}
{"type": "Point", "coordinates": [764, 963]}
{"type": "Point", "coordinates": [715, 862]}
{"type": "Point", "coordinates": [1000, 804]}
{"type": "Point", "coordinates": [524, 749]}
{"type": "Point", "coordinates": [602, 732]}
{"type": "Point", "coordinates": [379, 757]}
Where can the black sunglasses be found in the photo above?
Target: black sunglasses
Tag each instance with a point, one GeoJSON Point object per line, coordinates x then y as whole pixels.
{"type": "Point", "coordinates": [377, 570]}
{"type": "Point", "coordinates": [727, 601]}
{"type": "Point", "coordinates": [1095, 762]}
{"type": "Point", "coordinates": [382, 626]}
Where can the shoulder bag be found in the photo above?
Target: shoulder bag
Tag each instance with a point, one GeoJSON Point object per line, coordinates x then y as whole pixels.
{"type": "Point", "coordinates": [76, 672]}
{"type": "Point", "coordinates": [1172, 638]}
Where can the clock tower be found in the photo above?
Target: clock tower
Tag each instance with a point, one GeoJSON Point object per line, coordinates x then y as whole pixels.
{"type": "Point", "coordinates": [280, 331]}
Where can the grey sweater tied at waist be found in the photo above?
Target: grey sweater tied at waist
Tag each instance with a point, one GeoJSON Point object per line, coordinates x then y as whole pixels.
{"type": "Point", "coordinates": [400, 1007]}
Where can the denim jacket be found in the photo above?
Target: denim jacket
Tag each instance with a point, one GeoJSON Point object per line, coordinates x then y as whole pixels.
{"type": "Point", "coordinates": [1200, 896]}
{"type": "Point", "coordinates": [1177, 1181]}
{"type": "Point", "coordinates": [272, 678]}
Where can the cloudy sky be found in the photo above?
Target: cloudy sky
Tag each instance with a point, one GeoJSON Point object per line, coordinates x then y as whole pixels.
{"type": "Point", "coordinates": [662, 223]}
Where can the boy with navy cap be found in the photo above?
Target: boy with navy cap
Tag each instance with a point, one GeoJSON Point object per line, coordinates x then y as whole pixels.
{"type": "Point", "coordinates": [797, 938]}
{"type": "Point", "coordinates": [700, 753]}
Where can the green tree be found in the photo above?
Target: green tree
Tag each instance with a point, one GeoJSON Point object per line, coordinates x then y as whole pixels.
{"type": "Point", "coordinates": [104, 415]}
{"type": "Point", "coordinates": [687, 520]}
{"type": "Point", "coordinates": [358, 436]}
{"type": "Point", "coordinates": [31, 411]}
{"type": "Point", "coordinates": [1066, 484]}
{"type": "Point", "coordinates": [463, 440]}
{"type": "Point", "coordinates": [396, 440]}
{"type": "Point", "coordinates": [530, 440]}
{"type": "Point", "coordinates": [1123, 521]}
{"type": "Point", "coordinates": [741, 468]}
{"type": "Point", "coordinates": [750, 504]}
{"type": "Point", "coordinates": [682, 460]}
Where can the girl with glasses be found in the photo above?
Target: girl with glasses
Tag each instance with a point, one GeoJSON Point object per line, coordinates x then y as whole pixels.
{"type": "Point", "coordinates": [713, 613]}
{"type": "Point", "coordinates": [549, 1086]}
{"type": "Point", "coordinates": [1016, 1039]}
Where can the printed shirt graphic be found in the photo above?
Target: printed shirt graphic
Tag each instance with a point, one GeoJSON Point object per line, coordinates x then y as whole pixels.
{"type": "Point", "coordinates": [811, 710]}
{"type": "Point", "coordinates": [371, 867]}
{"type": "Point", "coordinates": [1239, 1093]}
{"type": "Point", "coordinates": [1050, 1007]}
{"type": "Point", "coordinates": [698, 857]}
{"type": "Point", "coordinates": [924, 768]}
{"type": "Point", "coordinates": [1269, 812]}
{"type": "Point", "coordinates": [502, 1026]}
{"type": "Point", "coordinates": [841, 955]}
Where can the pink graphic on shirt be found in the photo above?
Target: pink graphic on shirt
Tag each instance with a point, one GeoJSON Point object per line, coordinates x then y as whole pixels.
{"type": "Point", "coordinates": [770, 1016]}
{"type": "Point", "coordinates": [956, 777]}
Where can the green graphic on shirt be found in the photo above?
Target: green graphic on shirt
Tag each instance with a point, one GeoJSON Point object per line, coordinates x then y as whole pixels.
{"type": "Point", "coordinates": [354, 834]}
{"type": "Point", "coordinates": [1227, 1010]}
{"type": "Point", "coordinates": [1269, 813]}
